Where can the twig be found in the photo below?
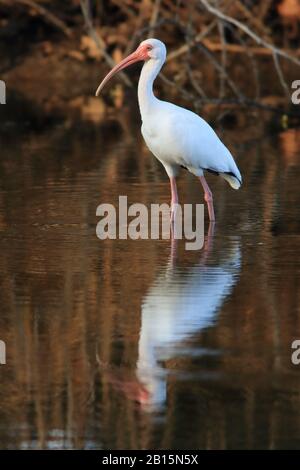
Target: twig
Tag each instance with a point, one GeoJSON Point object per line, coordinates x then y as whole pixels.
{"type": "Point", "coordinates": [154, 17]}
{"type": "Point", "coordinates": [49, 17]}
{"type": "Point", "coordinates": [280, 75]}
{"type": "Point", "coordinates": [184, 49]}
{"type": "Point", "coordinates": [223, 58]}
{"type": "Point", "coordinates": [264, 8]}
{"type": "Point", "coordinates": [251, 104]}
{"type": "Point", "coordinates": [127, 9]}
{"type": "Point", "coordinates": [237, 49]}
{"type": "Point", "coordinates": [139, 22]}
{"type": "Point", "coordinates": [188, 38]}
{"type": "Point", "coordinates": [182, 91]}
{"type": "Point", "coordinates": [141, 32]}
{"type": "Point", "coordinates": [221, 70]}
{"type": "Point", "coordinates": [252, 58]}
{"type": "Point", "coordinates": [255, 20]}
{"type": "Point", "coordinates": [98, 40]}
{"type": "Point", "coordinates": [248, 31]}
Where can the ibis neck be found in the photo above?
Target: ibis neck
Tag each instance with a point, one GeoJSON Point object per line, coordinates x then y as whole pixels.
{"type": "Point", "coordinates": [146, 98]}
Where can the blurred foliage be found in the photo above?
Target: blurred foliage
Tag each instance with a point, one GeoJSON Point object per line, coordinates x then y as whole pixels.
{"type": "Point", "coordinates": [219, 50]}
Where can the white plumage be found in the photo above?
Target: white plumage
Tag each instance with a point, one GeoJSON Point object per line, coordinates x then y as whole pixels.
{"type": "Point", "coordinates": [181, 138]}
{"type": "Point", "coordinates": [176, 136]}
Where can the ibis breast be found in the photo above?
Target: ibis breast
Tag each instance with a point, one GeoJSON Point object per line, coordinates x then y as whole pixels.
{"type": "Point", "coordinates": [178, 137]}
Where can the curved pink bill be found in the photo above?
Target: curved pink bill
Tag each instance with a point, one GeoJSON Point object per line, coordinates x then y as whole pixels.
{"type": "Point", "coordinates": [136, 56]}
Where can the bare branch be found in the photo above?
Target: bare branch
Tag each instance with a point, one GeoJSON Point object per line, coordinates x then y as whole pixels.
{"type": "Point", "coordinates": [154, 17]}
{"type": "Point", "coordinates": [49, 17]}
{"type": "Point", "coordinates": [248, 31]}
{"type": "Point", "coordinates": [280, 75]}
{"type": "Point", "coordinates": [221, 70]}
{"type": "Point", "coordinates": [198, 38]}
{"type": "Point", "coordinates": [98, 40]}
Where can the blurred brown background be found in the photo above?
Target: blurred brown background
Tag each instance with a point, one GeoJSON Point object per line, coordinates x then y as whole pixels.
{"type": "Point", "coordinates": [221, 52]}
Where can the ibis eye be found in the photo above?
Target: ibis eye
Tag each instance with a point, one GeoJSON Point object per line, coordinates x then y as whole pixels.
{"type": "Point", "coordinates": [149, 48]}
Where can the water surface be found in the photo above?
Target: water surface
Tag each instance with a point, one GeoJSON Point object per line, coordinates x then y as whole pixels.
{"type": "Point", "coordinates": [141, 344]}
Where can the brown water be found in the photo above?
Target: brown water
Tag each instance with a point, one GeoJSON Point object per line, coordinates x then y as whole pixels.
{"type": "Point", "coordinates": [141, 344]}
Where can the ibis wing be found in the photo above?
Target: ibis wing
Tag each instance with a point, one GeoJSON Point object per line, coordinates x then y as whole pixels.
{"type": "Point", "coordinates": [199, 145]}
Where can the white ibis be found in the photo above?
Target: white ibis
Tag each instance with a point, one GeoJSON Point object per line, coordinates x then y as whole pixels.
{"type": "Point", "coordinates": [176, 136]}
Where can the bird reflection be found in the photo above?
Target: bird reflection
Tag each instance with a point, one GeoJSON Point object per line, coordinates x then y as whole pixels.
{"type": "Point", "coordinates": [181, 303]}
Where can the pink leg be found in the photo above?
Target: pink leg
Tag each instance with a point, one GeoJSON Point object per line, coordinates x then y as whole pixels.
{"type": "Point", "coordinates": [208, 198]}
{"type": "Point", "coordinates": [174, 191]}
{"type": "Point", "coordinates": [174, 199]}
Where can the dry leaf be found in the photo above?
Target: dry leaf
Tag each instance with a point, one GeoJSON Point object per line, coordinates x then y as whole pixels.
{"type": "Point", "coordinates": [77, 55]}
{"type": "Point", "coordinates": [90, 48]}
